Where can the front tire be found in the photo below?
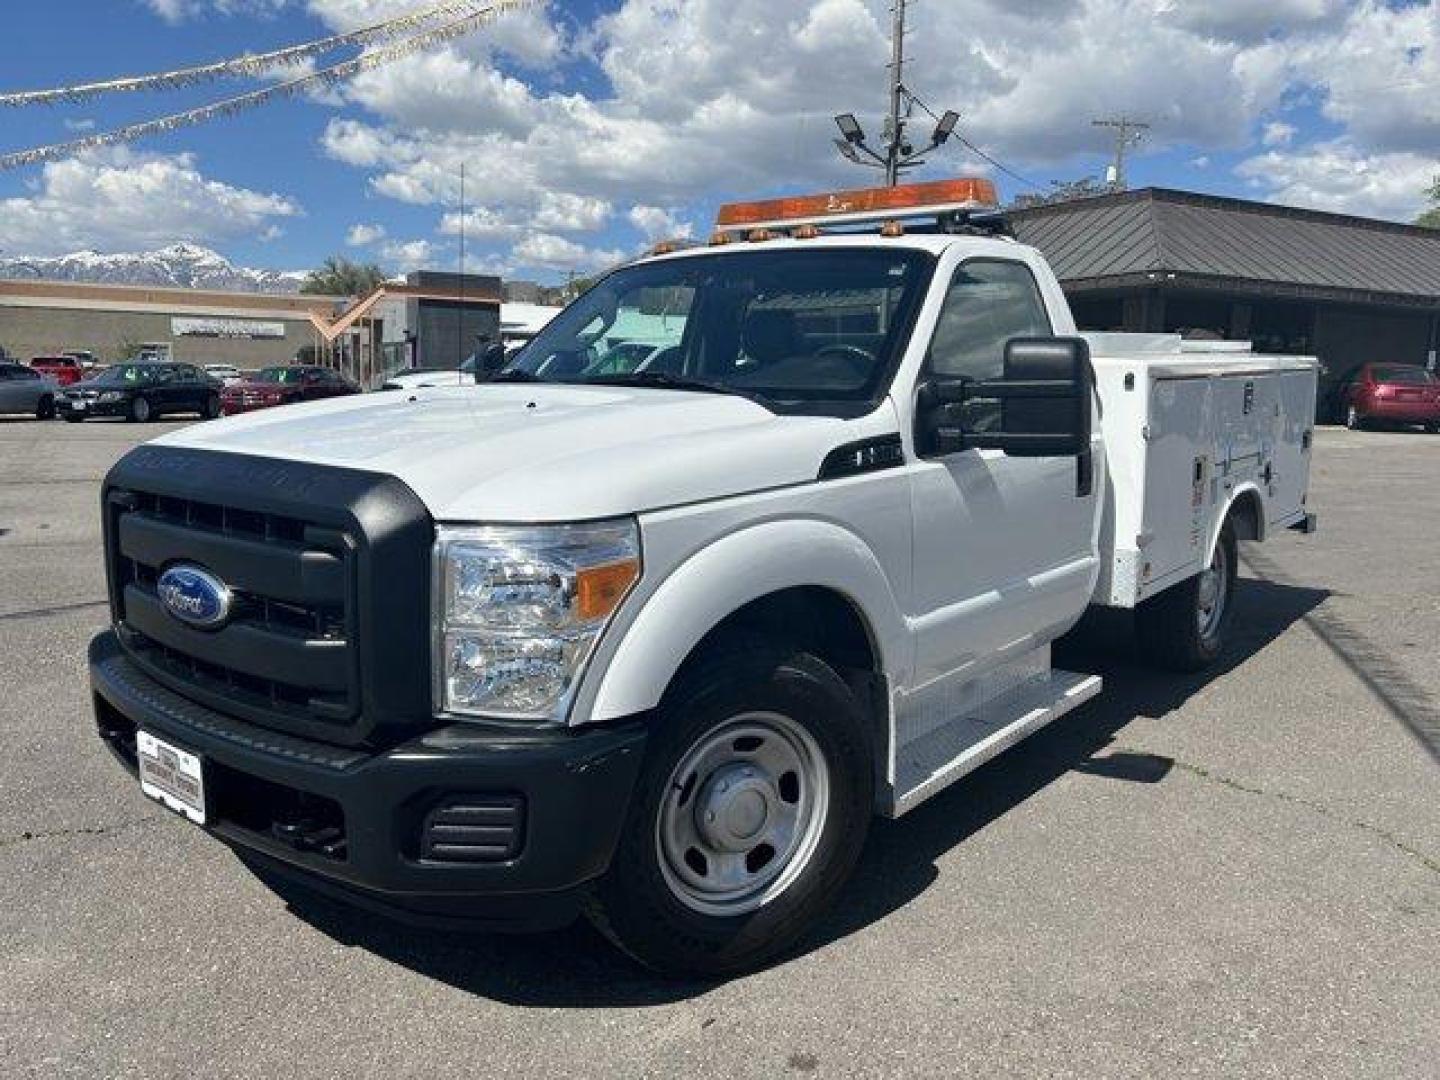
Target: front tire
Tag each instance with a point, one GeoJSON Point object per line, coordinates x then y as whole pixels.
{"type": "Point", "coordinates": [750, 812]}
{"type": "Point", "coordinates": [140, 411]}
{"type": "Point", "coordinates": [1184, 628]}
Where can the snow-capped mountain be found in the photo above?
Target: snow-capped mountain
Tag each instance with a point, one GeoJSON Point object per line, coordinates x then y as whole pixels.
{"type": "Point", "coordinates": [185, 266]}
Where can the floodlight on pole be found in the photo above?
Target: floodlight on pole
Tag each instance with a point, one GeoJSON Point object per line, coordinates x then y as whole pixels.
{"type": "Point", "coordinates": [850, 128]}
{"type": "Point", "coordinates": [945, 128]}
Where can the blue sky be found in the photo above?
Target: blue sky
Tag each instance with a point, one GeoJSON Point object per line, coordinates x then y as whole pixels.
{"type": "Point", "coordinates": [589, 127]}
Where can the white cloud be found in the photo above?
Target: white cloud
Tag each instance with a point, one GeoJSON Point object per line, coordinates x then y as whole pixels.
{"type": "Point", "coordinates": [1337, 176]}
{"type": "Point", "coordinates": [362, 235]}
{"type": "Point", "coordinates": [175, 11]}
{"type": "Point", "coordinates": [480, 223]}
{"type": "Point", "coordinates": [124, 200]}
{"type": "Point", "coordinates": [571, 213]}
{"type": "Point", "coordinates": [406, 255]}
{"type": "Point", "coordinates": [657, 223]}
{"type": "Point", "coordinates": [80, 126]}
{"type": "Point", "coordinates": [1278, 133]}
{"type": "Point", "coordinates": [543, 251]}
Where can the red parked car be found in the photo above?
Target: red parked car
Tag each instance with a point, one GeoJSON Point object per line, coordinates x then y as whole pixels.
{"type": "Point", "coordinates": [284, 386]}
{"type": "Point", "coordinates": [65, 370]}
{"type": "Point", "coordinates": [1391, 394]}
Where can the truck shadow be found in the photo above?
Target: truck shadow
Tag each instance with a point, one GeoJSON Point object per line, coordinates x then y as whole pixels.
{"type": "Point", "coordinates": [576, 968]}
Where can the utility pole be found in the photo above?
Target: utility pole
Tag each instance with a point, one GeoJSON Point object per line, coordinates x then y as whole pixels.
{"type": "Point", "coordinates": [1128, 133]}
{"type": "Point", "coordinates": [899, 104]}
{"type": "Point", "coordinates": [460, 291]}
{"type": "Point", "coordinates": [898, 154]}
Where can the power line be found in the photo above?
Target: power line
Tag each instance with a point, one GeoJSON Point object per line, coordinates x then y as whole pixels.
{"type": "Point", "coordinates": [978, 152]}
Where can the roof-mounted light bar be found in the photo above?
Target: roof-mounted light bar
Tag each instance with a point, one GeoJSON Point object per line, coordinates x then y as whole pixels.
{"type": "Point", "coordinates": [865, 205]}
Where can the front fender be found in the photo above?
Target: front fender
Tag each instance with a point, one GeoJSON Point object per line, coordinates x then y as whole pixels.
{"type": "Point", "coordinates": [726, 575]}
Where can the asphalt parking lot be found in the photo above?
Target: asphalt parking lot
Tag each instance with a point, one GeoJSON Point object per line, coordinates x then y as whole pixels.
{"type": "Point", "coordinates": [1238, 874]}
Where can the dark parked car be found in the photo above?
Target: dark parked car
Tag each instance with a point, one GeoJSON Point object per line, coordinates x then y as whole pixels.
{"type": "Point", "coordinates": [1391, 394]}
{"type": "Point", "coordinates": [285, 386]}
{"type": "Point", "coordinates": [142, 392]}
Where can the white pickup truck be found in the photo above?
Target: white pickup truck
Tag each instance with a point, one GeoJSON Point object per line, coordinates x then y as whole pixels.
{"type": "Point", "coordinates": [657, 645]}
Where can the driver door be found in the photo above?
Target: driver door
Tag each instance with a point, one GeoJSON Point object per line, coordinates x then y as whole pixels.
{"type": "Point", "coordinates": [1005, 549]}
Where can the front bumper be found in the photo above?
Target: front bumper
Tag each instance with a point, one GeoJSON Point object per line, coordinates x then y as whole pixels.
{"type": "Point", "coordinates": [574, 788]}
{"type": "Point", "coordinates": [232, 406]}
{"type": "Point", "coordinates": [1403, 412]}
{"type": "Point", "coordinates": [65, 407]}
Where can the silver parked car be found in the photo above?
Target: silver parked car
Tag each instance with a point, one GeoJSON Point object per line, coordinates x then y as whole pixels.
{"type": "Point", "coordinates": [25, 390]}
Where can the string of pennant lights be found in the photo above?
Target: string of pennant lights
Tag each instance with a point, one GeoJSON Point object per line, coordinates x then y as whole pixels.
{"type": "Point", "coordinates": [251, 65]}
{"type": "Point", "coordinates": [466, 24]}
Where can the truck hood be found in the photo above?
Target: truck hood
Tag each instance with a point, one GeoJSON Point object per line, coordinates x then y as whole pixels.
{"type": "Point", "coordinates": [502, 453]}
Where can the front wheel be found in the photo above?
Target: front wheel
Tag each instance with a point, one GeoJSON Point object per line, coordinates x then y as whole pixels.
{"type": "Point", "coordinates": [1184, 628]}
{"type": "Point", "coordinates": [749, 815]}
{"type": "Point", "coordinates": [45, 408]}
{"type": "Point", "coordinates": [140, 411]}
{"type": "Point", "coordinates": [211, 409]}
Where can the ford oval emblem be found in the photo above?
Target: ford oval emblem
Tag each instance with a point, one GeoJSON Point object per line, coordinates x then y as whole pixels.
{"type": "Point", "coordinates": [195, 596]}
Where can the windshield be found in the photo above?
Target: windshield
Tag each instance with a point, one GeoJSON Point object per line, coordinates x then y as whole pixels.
{"type": "Point", "coordinates": [287, 375]}
{"type": "Point", "coordinates": [127, 375]}
{"type": "Point", "coordinates": [1400, 373]}
{"type": "Point", "coordinates": [799, 329]}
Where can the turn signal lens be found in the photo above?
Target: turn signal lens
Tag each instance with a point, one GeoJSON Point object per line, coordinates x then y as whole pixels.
{"type": "Point", "coordinates": [599, 590]}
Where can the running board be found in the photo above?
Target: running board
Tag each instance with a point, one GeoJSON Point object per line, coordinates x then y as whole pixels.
{"type": "Point", "coordinates": [929, 765]}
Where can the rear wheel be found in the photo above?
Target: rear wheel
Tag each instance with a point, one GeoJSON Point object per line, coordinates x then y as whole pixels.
{"type": "Point", "coordinates": [45, 408]}
{"type": "Point", "coordinates": [1184, 628]}
{"type": "Point", "coordinates": [140, 411]}
{"type": "Point", "coordinates": [749, 814]}
{"type": "Point", "coordinates": [211, 408]}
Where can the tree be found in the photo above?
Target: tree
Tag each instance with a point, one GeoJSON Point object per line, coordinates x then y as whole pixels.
{"type": "Point", "coordinates": [342, 277]}
{"type": "Point", "coordinates": [1430, 219]}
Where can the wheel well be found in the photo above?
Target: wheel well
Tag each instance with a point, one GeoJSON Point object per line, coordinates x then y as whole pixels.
{"type": "Point", "coordinates": [821, 621]}
{"type": "Point", "coordinates": [1247, 516]}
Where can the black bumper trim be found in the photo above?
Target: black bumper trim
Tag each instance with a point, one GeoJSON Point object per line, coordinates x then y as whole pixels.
{"type": "Point", "coordinates": [576, 786]}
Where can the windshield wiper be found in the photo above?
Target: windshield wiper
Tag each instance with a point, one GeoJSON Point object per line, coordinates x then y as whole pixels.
{"type": "Point", "coordinates": [663, 380]}
{"type": "Point", "coordinates": [515, 375]}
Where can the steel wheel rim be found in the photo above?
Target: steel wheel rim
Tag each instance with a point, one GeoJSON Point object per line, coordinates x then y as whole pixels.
{"type": "Point", "coordinates": [1211, 607]}
{"type": "Point", "coordinates": [1352, 418]}
{"type": "Point", "coordinates": [742, 814]}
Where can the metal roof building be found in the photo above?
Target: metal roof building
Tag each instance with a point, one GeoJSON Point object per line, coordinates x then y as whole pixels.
{"type": "Point", "coordinates": [1347, 289]}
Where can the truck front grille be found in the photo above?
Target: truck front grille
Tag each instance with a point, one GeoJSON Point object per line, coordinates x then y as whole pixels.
{"type": "Point", "coordinates": [328, 569]}
{"type": "Point", "coordinates": [286, 654]}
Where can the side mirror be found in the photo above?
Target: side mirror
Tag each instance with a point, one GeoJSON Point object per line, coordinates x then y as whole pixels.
{"type": "Point", "coordinates": [1045, 399]}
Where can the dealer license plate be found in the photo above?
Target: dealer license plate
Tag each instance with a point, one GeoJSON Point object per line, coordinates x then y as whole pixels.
{"type": "Point", "coordinates": [173, 776]}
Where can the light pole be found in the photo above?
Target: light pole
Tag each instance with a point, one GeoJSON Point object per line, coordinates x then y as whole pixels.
{"type": "Point", "coordinates": [899, 155]}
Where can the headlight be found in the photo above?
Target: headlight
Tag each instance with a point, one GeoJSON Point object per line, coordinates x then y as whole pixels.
{"type": "Point", "coordinates": [111, 395]}
{"type": "Point", "coordinates": [519, 610]}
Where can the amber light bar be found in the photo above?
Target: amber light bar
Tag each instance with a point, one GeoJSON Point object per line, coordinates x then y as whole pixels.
{"type": "Point", "coordinates": [864, 204]}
